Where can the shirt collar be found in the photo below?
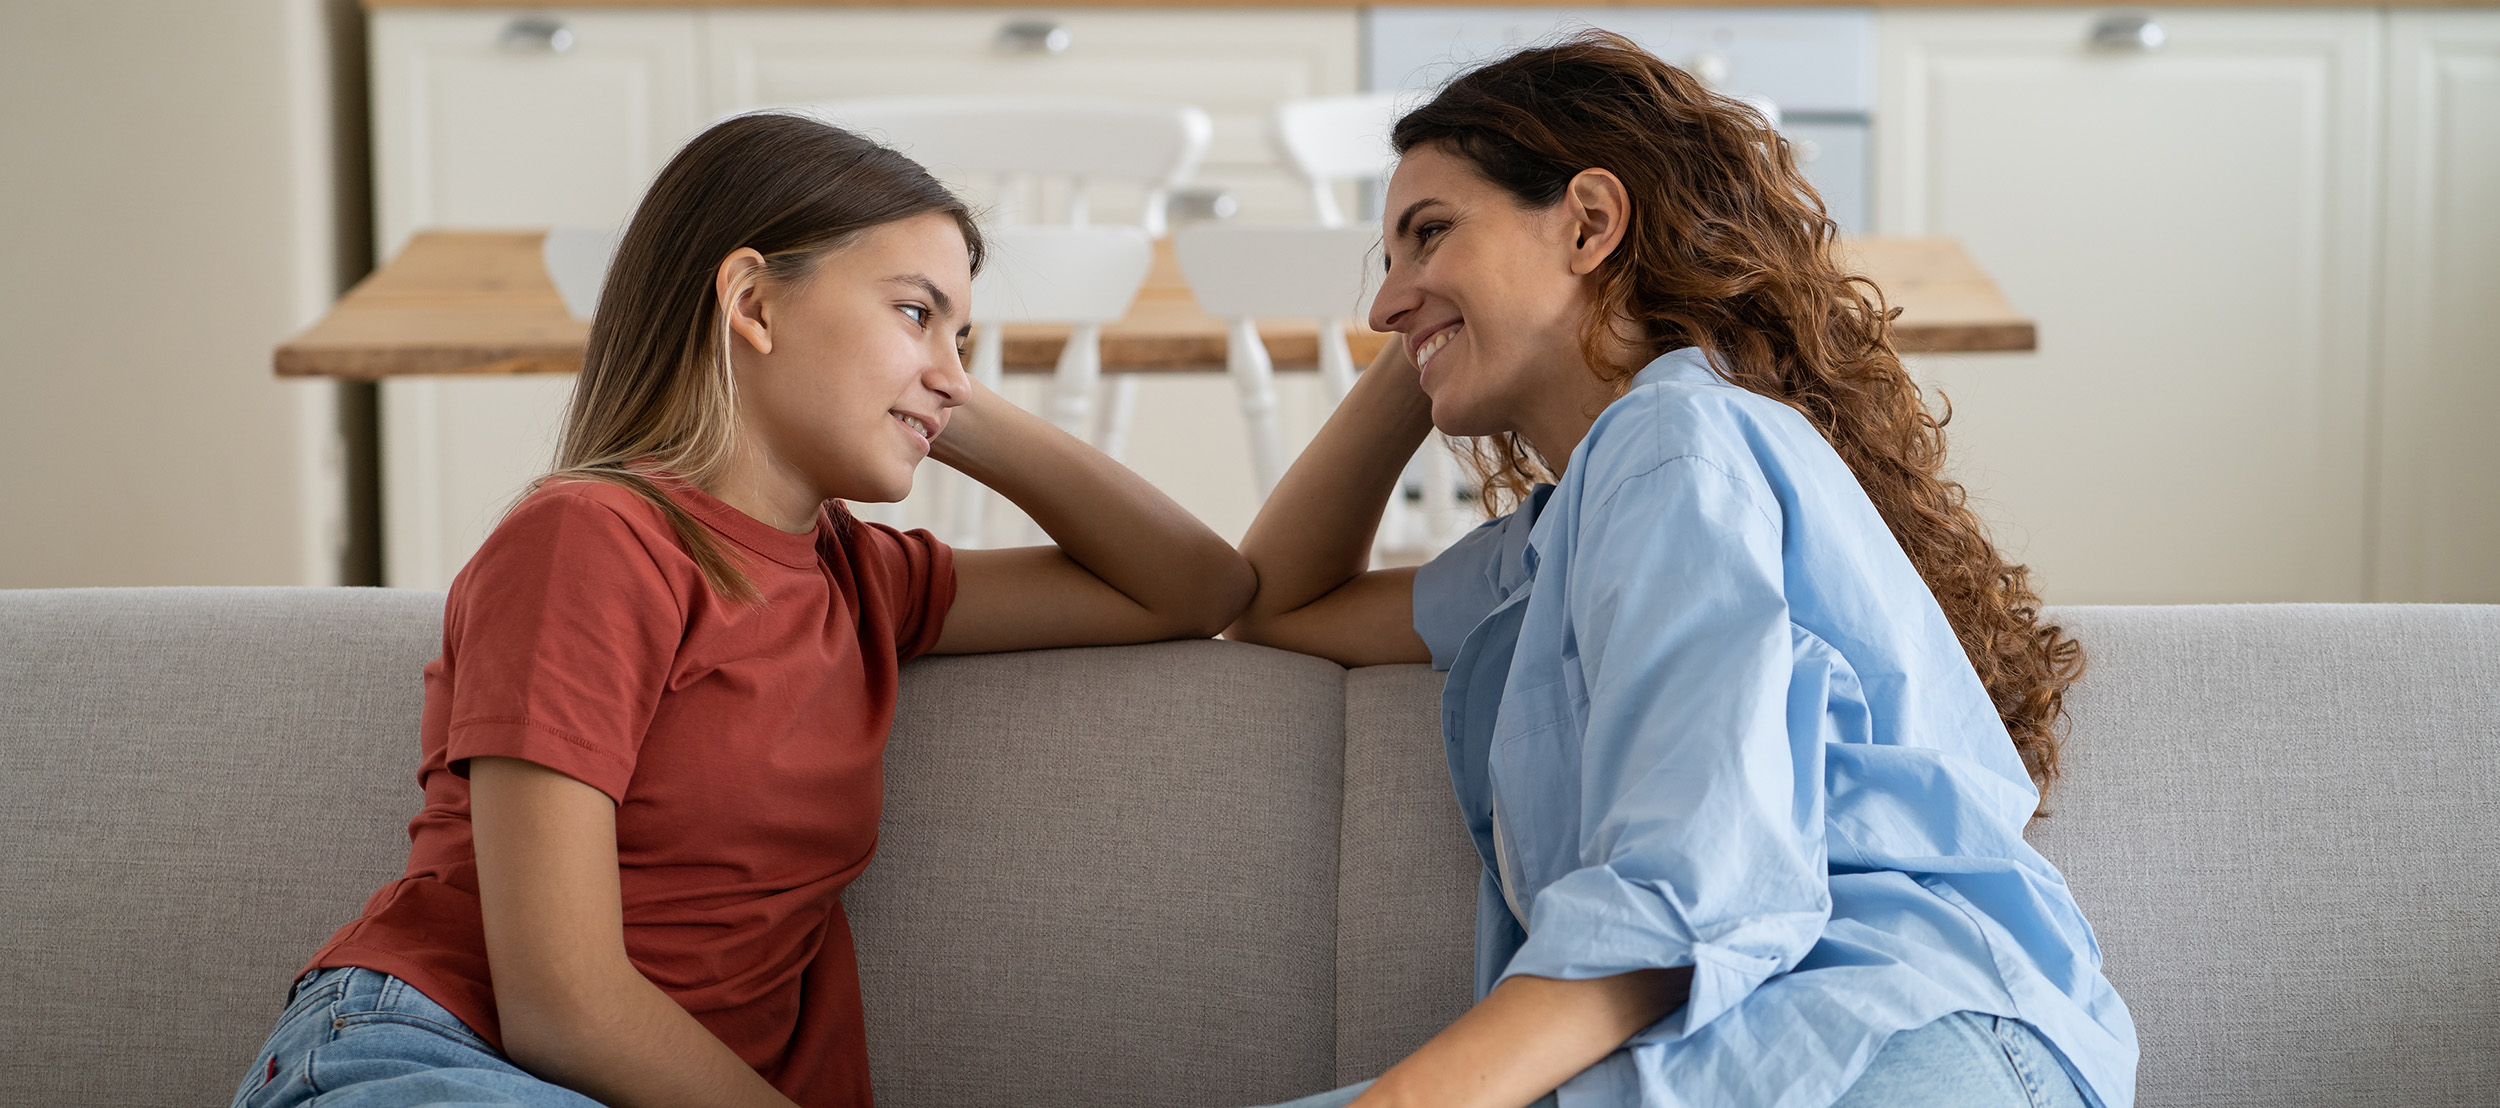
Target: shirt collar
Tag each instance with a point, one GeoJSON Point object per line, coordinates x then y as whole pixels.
{"type": "Point", "coordinates": [1684, 363]}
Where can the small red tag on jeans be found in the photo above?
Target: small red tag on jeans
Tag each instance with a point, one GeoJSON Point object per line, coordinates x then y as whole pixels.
{"type": "Point", "coordinates": [272, 1075]}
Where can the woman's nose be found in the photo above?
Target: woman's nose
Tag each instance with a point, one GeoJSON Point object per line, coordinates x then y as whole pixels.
{"type": "Point", "coordinates": [1396, 298]}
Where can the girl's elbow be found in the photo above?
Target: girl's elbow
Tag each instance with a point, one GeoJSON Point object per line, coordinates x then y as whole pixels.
{"type": "Point", "coordinates": [1226, 593]}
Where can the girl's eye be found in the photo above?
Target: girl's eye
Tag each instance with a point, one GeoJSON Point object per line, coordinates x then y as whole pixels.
{"type": "Point", "coordinates": [1425, 234]}
{"type": "Point", "coordinates": [919, 315]}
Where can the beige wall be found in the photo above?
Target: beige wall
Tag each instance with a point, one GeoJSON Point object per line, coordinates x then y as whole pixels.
{"type": "Point", "coordinates": [166, 217]}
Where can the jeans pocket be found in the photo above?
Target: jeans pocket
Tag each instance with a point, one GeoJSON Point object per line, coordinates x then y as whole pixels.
{"type": "Point", "coordinates": [2036, 1066]}
{"type": "Point", "coordinates": [401, 1003]}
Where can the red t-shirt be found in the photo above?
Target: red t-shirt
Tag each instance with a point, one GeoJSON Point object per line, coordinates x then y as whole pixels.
{"type": "Point", "coordinates": [743, 745]}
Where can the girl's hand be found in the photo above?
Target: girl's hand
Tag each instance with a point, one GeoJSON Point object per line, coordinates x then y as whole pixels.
{"type": "Point", "coordinates": [1311, 543]}
{"type": "Point", "coordinates": [1130, 565]}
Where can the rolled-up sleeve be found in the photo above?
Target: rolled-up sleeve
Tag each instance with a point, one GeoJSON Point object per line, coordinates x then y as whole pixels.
{"type": "Point", "coordinates": [1700, 830]}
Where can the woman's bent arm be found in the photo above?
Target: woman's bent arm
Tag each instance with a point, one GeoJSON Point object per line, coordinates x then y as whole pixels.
{"type": "Point", "coordinates": [573, 1008]}
{"type": "Point", "coordinates": [1312, 541]}
{"type": "Point", "coordinates": [1131, 565]}
{"type": "Point", "coordinates": [1529, 1036]}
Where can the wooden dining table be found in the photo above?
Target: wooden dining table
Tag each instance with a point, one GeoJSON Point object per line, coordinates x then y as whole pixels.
{"type": "Point", "coordinates": [481, 303]}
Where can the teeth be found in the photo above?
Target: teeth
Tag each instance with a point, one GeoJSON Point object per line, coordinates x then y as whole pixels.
{"type": "Point", "coordinates": [916, 425]}
{"type": "Point", "coordinates": [1434, 345]}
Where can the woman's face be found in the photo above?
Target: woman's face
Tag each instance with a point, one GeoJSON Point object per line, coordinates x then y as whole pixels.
{"type": "Point", "coordinates": [1475, 289]}
{"type": "Point", "coordinates": [1490, 297]}
{"type": "Point", "coordinates": [845, 377]}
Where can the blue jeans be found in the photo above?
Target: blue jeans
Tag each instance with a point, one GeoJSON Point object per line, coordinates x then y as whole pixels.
{"type": "Point", "coordinates": [1965, 1060]}
{"type": "Point", "coordinates": [358, 1038]}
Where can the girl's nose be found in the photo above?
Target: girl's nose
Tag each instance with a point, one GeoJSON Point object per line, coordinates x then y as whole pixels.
{"type": "Point", "coordinates": [1396, 298]}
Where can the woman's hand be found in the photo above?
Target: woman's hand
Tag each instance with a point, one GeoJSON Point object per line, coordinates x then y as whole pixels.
{"type": "Point", "coordinates": [1311, 544]}
{"type": "Point", "coordinates": [1130, 565]}
{"type": "Point", "coordinates": [1529, 1036]}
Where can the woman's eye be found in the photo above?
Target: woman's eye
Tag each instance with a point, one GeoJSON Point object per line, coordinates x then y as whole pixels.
{"type": "Point", "coordinates": [1426, 233]}
{"type": "Point", "coordinates": [918, 314]}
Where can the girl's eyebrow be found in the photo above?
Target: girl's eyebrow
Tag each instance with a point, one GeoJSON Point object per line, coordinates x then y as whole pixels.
{"type": "Point", "coordinates": [938, 299]}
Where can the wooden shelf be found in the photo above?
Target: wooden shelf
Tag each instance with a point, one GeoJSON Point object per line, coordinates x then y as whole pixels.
{"type": "Point", "coordinates": [480, 303]}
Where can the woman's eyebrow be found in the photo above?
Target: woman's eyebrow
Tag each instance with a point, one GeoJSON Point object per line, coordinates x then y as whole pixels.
{"type": "Point", "coordinates": [938, 299]}
{"type": "Point", "coordinates": [1407, 218]}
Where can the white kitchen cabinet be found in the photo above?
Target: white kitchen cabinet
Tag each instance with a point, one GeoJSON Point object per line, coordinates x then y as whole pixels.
{"type": "Point", "coordinates": [479, 121]}
{"type": "Point", "coordinates": [2439, 472]}
{"type": "Point", "coordinates": [2193, 227]}
{"type": "Point", "coordinates": [1236, 64]}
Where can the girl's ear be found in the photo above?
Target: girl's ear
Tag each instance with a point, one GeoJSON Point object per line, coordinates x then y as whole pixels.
{"type": "Point", "coordinates": [738, 285]}
{"type": "Point", "coordinates": [1600, 210]}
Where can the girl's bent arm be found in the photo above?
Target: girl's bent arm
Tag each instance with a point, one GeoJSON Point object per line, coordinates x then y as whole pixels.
{"type": "Point", "coordinates": [1311, 542]}
{"type": "Point", "coordinates": [573, 1008]}
{"type": "Point", "coordinates": [1130, 565]}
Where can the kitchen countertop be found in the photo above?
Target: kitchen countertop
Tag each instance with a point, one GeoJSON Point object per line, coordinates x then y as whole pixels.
{"type": "Point", "coordinates": [480, 303]}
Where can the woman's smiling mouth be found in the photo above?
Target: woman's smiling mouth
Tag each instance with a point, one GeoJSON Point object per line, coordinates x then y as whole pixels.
{"type": "Point", "coordinates": [1433, 343]}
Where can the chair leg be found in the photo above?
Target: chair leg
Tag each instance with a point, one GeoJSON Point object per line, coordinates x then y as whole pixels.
{"type": "Point", "coordinates": [1072, 390]}
{"type": "Point", "coordinates": [1441, 514]}
{"type": "Point", "coordinates": [1336, 360]}
{"type": "Point", "coordinates": [970, 500]}
{"type": "Point", "coordinates": [1254, 378]}
{"type": "Point", "coordinates": [1120, 410]}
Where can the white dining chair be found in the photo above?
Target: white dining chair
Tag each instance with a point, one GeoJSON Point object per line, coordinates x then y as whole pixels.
{"type": "Point", "coordinates": [1241, 274]}
{"type": "Point", "coordinates": [1028, 150]}
{"type": "Point", "coordinates": [1332, 139]}
{"type": "Point", "coordinates": [1080, 276]}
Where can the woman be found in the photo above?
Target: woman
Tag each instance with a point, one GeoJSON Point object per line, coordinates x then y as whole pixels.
{"type": "Point", "coordinates": [1744, 712]}
{"type": "Point", "coordinates": [651, 746]}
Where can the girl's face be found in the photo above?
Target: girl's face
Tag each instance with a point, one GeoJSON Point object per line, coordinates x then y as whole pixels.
{"type": "Point", "coordinates": [846, 376]}
{"type": "Point", "coordinates": [1490, 297]}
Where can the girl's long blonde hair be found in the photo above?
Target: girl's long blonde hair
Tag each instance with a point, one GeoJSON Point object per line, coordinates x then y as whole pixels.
{"type": "Point", "coordinates": [656, 401]}
{"type": "Point", "coordinates": [1730, 250]}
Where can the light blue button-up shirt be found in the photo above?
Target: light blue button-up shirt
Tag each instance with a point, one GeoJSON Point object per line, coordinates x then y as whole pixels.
{"type": "Point", "coordinates": [1703, 712]}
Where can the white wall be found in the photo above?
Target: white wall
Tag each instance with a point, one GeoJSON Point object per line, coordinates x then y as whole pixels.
{"type": "Point", "coordinates": [167, 216]}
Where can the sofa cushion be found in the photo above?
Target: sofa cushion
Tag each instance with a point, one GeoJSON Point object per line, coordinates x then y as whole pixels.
{"type": "Point", "coordinates": [196, 787]}
{"type": "Point", "coordinates": [1106, 877]}
{"type": "Point", "coordinates": [1406, 876]}
{"type": "Point", "coordinates": [2277, 819]}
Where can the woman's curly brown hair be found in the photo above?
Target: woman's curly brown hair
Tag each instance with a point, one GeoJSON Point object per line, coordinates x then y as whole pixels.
{"type": "Point", "coordinates": [1730, 250]}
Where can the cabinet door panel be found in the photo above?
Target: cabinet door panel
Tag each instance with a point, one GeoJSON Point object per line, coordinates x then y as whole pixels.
{"type": "Point", "coordinates": [1236, 65]}
{"type": "Point", "coordinates": [470, 131]}
{"type": "Point", "coordinates": [2439, 518]}
{"type": "Point", "coordinates": [2191, 227]}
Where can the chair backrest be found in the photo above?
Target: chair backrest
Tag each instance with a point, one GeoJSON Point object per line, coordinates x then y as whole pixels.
{"type": "Point", "coordinates": [1271, 271]}
{"type": "Point", "coordinates": [577, 260]}
{"type": "Point", "coordinates": [1017, 139]}
{"type": "Point", "coordinates": [1060, 274]}
{"type": "Point", "coordinates": [1338, 138]}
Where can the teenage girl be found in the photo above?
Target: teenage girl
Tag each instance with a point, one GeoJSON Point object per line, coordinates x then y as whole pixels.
{"type": "Point", "coordinates": [1745, 713]}
{"type": "Point", "coordinates": [652, 743]}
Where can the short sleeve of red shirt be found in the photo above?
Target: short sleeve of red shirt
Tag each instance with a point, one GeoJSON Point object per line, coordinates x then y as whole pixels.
{"type": "Point", "coordinates": [565, 635]}
{"type": "Point", "coordinates": [910, 574]}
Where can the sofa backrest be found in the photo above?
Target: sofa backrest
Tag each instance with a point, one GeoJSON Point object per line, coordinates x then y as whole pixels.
{"type": "Point", "coordinates": [1209, 873]}
{"type": "Point", "coordinates": [2278, 819]}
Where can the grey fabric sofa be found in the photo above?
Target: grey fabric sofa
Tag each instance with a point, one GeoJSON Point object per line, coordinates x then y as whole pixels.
{"type": "Point", "coordinates": [1204, 874]}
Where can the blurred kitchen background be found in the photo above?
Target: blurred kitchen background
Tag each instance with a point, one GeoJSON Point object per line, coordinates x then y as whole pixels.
{"type": "Point", "coordinates": [2261, 247]}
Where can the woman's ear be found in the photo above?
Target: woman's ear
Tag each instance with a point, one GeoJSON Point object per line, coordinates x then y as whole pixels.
{"type": "Point", "coordinates": [738, 285]}
{"type": "Point", "coordinates": [1600, 211]}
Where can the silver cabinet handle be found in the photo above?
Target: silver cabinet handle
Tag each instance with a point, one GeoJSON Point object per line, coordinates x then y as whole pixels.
{"type": "Point", "coordinates": [536, 34]}
{"type": "Point", "coordinates": [1033, 36]}
{"type": "Point", "coordinates": [2130, 32]}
